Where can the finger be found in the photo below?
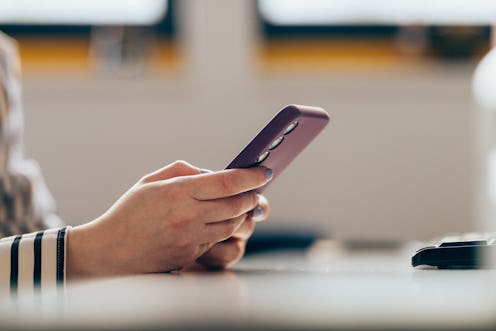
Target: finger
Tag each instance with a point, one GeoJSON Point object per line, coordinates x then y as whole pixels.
{"type": "Point", "coordinates": [219, 210]}
{"type": "Point", "coordinates": [261, 212]}
{"type": "Point", "coordinates": [245, 230]}
{"type": "Point", "coordinates": [219, 231]}
{"type": "Point", "coordinates": [227, 183]}
{"type": "Point", "coordinates": [175, 169]}
{"type": "Point", "coordinates": [224, 254]}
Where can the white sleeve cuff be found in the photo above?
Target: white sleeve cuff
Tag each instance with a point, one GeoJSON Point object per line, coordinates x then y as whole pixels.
{"type": "Point", "coordinates": [32, 261]}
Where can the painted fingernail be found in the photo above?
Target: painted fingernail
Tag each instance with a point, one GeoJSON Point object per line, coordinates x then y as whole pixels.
{"type": "Point", "coordinates": [257, 214]}
{"type": "Point", "coordinates": [205, 171]}
{"type": "Point", "coordinates": [268, 174]}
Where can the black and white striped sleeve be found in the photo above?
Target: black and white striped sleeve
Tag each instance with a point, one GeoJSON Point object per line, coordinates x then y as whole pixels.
{"type": "Point", "coordinates": [34, 260]}
{"type": "Point", "coordinates": [37, 258]}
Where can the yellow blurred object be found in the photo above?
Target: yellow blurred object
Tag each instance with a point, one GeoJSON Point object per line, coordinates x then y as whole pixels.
{"type": "Point", "coordinates": [73, 54]}
{"type": "Point", "coordinates": [350, 55]}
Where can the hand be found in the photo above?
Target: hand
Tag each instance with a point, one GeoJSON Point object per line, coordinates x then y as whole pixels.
{"type": "Point", "coordinates": [164, 222]}
{"type": "Point", "coordinates": [226, 253]}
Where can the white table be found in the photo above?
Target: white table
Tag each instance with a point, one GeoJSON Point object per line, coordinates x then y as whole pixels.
{"type": "Point", "coordinates": [324, 288]}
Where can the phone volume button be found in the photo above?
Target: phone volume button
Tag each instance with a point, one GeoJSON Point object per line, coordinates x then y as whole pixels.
{"type": "Point", "coordinates": [262, 157]}
{"type": "Point", "coordinates": [276, 143]}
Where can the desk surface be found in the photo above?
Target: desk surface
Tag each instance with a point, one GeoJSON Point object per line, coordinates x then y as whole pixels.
{"type": "Point", "coordinates": [323, 288]}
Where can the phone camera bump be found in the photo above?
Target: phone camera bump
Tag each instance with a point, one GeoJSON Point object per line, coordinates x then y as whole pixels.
{"type": "Point", "coordinates": [276, 143]}
{"type": "Point", "coordinates": [262, 157]}
{"type": "Point", "coordinates": [291, 127]}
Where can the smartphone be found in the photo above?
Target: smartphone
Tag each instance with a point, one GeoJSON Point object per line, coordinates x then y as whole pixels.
{"type": "Point", "coordinates": [282, 139]}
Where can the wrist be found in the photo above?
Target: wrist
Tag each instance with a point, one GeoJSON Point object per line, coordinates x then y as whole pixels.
{"type": "Point", "coordinates": [84, 255]}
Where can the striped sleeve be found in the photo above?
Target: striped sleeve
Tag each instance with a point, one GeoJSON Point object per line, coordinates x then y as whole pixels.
{"type": "Point", "coordinates": [31, 261]}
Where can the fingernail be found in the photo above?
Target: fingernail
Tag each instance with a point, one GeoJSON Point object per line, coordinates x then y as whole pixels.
{"type": "Point", "coordinates": [205, 171]}
{"type": "Point", "coordinates": [257, 214]}
{"type": "Point", "coordinates": [268, 174]}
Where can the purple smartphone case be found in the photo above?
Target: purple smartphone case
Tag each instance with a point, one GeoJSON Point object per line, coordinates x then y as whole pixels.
{"type": "Point", "coordinates": [311, 121]}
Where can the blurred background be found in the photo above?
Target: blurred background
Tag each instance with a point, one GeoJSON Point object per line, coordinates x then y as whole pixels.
{"type": "Point", "coordinates": [115, 89]}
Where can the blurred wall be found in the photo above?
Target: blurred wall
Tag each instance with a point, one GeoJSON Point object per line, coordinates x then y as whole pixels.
{"type": "Point", "coordinates": [395, 161]}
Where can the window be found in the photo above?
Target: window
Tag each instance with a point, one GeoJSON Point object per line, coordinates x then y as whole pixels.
{"type": "Point", "coordinates": [82, 12]}
{"type": "Point", "coordinates": [357, 12]}
{"type": "Point", "coordinates": [445, 28]}
{"type": "Point", "coordinates": [112, 33]}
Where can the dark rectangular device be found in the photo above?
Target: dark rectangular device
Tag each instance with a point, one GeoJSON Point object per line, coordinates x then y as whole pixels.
{"type": "Point", "coordinates": [463, 251]}
{"type": "Point", "coordinates": [282, 139]}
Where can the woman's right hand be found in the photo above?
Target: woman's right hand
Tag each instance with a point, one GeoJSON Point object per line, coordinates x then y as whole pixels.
{"type": "Point", "coordinates": [164, 222]}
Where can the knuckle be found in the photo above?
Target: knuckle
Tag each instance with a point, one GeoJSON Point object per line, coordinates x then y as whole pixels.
{"type": "Point", "coordinates": [253, 199]}
{"type": "Point", "coordinates": [236, 205]}
{"type": "Point", "coordinates": [145, 179]}
{"type": "Point", "coordinates": [226, 182]}
{"type": "Point", "coordinates": [180, 165]}
{"type": "Point", "coordinates": [226, 232]}
{"type": "Point", "coordinates": [228, 229]}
